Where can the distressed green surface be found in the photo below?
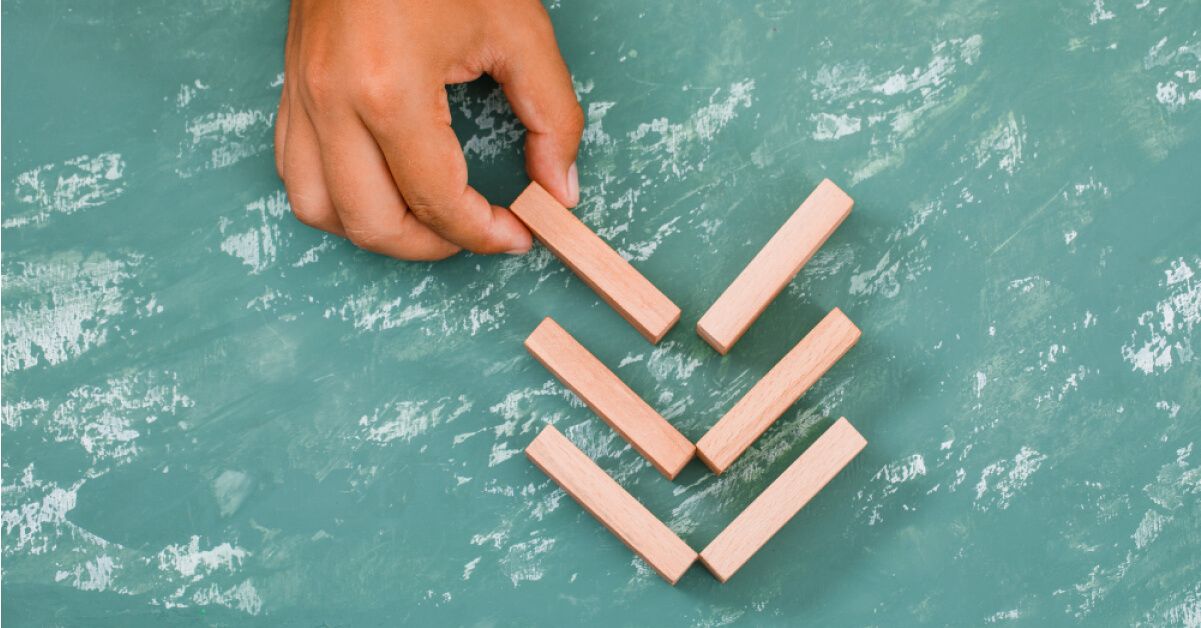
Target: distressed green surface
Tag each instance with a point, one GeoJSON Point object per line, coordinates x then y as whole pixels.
{"type": "Point", "coordinates": [214, 415]}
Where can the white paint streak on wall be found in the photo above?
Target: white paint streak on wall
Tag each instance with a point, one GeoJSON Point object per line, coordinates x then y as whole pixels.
{"type": "Point", "coordinates": [1001, 616]}
{"type": "Point", "coordinates": [1179, 84]}
{"type": "Point", "coordinates": [218, 139]}
{"type": "Point", "coordinates": [1100, 13]}
{"type": "Point", "coordinates": [498, 129]}
{"type": "Point", "coordinates": [668, 363]}
{"type": "Point", "coordinates": [63, 307]}
{"type": "Point", "coordinates": [642, 251]}
{"type": "Point", "coordinates": [680, 148]}
{"type": "Point", "coordinates": [104, 419]}
{"type": "Point", "coordinates": [1181, 610]}
{"type": "Point", "coordinates": [523, 561]}
{"type": "Point", "coordinates": [1164, 333]}
{"type": "Point", "coordinates": [1002, 144]}
{"type": "Point", "coordinates": [880, 280]}
{"type": "Point", "coordinates": [230, 489]}
{"type": "Point", "coordinates": [65, 188]}
{"type": "Point", "coordinates": [409, 419]}
{"type": "Point", "coordinates": [828, 126]}
{"type": "Point", "coordinates": [243, 597]}
{"type": "Point", "coordinates": [1176, 482]}
{"type": "Point", "coordinates": [1149, 528]}
{"type": "Point", "coordinates": [194, 563]}
{"type": "Point", "coordinates": [890, 477]}
{"type": "Point", "coordinates": [890, 105]}
{"type": "Point", "coordinates": [92, 575]}
{"type": "Point", "coordinates": [469, 568]}
{"type": "Point", "coordinates": [259, 245]}
{"type": "Point", "coordinates": [1007, 478]}
{"type": "Point", "coordinates": [594, 129]}
{"type": "Point", "coordinates": [981, 382]}
{"type": "Point", "coordinates": [367, 313]}
{"type": "Point", "coordinates": [33, 511]}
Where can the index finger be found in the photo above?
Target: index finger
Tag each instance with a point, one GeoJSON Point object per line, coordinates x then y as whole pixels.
{"type": "Point", "coordinates": [423, 154]}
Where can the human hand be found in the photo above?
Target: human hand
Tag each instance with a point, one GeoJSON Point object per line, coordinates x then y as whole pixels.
{"type": "Point", "coordinates": [363, 139]}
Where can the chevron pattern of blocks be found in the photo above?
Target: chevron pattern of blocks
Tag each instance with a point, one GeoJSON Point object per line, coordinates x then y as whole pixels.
{"type": "Point", "coordinates": [648, 432]}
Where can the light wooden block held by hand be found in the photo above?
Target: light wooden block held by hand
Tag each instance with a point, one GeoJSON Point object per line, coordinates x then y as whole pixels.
{"type": "Point", "coordinates": [649, 433]}
{"type": "Point", "coordinates": [774, 266]}
{"type": "Point", "coordinates": [602, 268]}
{"type": "Point", "coordinates": [782, 500]}
{"type": "Point", "coordinates": [606, 500]}
{"type": "Point", "coordinates": [779, 389]}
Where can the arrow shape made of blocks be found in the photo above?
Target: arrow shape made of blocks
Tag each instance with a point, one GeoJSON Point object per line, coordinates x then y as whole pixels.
{"type": "Point", "coordinates": [653, 314]}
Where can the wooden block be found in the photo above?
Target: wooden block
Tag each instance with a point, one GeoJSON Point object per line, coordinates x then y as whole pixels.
{"type": "Point", "coordinates": [779, 389]}
{"type": "Point", "coordinates": [782, 500]}
{"type": "Point", "coordinates": [774, 266]}
{"type": "Point", "coordinates": [606, 500]}
{"type": "Point", "coordinates": [602, 268]}
{"type": "Point", "coordinates": [650, 434]}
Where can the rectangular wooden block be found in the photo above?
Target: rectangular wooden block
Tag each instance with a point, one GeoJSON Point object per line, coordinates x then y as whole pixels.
{"type": "Point", "coordinates": [602, 268]}
{"type": "Point", "coordinates": [783, 499]}
{"type": "Point", "coordinates": [649, 433]}
{"type": "Point", "coordinates": [615, 508]}
{"type": "Point", "coordinates": [774, 266]}
{"type": "Point", "coordinates": [779, 389]}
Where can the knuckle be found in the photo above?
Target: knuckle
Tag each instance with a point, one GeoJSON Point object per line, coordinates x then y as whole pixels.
{"type": "Point", "coordinates": [431, 203]}
{"type": "Point", "coordinates": [309, 212]}
{"type": "Point", "coordinates": [575, 119]}
{"type": "Point", "coordinates": [308, 216]}
{"type": "Point", "coordinates": [429, 210]}
{"type": "Point", "coordinates": [318, 82]}
{"type": "Point", "coordinates": [368, 239]}
{"type": "Point", "coordinates": [377, 93]}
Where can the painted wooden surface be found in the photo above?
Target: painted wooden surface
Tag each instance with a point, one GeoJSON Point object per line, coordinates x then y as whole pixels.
{"type": "Point", "coordinates": [611, 504]}
{"type": "Point", "coordinates": [214, 415]}
{"type": "Point", "coordinates": [627, 413]}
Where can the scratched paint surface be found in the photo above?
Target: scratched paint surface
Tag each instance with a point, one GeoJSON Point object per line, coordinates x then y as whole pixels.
{"type": "Point", "coordinates": [213, 413]}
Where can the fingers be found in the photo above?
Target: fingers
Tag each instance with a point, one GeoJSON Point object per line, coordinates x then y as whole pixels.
{"type": "Point", "coordinates": [371, 211]}
{"type": "Point", "coordinates": [304, 178]}
{"type": "Point", "coordinates": [538, 86]}
{"type": "Point", "coordinates": [425, 160]}
{"type": "Point", "coordinates": [367, 151]}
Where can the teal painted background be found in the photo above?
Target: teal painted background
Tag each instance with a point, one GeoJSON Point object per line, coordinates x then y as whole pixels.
{"type": "Point", "coordinates": [214, 415]}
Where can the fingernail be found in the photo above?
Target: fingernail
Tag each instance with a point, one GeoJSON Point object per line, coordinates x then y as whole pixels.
{"type": "Point", "coordinates": [573, 185]}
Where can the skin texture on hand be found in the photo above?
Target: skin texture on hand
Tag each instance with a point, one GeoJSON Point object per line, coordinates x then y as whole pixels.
{"type": "Point", "coordinates": [363, 140]}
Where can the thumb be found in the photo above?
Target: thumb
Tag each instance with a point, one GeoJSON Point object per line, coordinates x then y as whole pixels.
{"type": "Point", "coordinates": [538, 86]}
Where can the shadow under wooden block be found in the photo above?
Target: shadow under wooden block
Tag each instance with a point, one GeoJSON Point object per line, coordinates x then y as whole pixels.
{"type": "Point", "coordinates": [774, 266]}
{"type": "Point", "coordinates": [610, 398]}
{"type": "Point", "coordinates": [824, 345]}
{"type": "Point", "coordinates": [611, 504]}
{"type": "Point", "coordinates": [782, 500]}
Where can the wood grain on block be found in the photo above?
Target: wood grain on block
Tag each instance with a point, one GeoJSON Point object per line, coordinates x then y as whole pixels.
{"type": "Point", "coordinates": [602, 268]}
{"type": "Point", "coordinates": [779, 389]}
{"type": "Point", "coordinates": [774, 266]}
{"type": "Point", "coordinates": [783, 499]}
{"type": "Point", "coordinates": [606, 500]}
{"type": "Point", "coordinates": [649, 433]}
